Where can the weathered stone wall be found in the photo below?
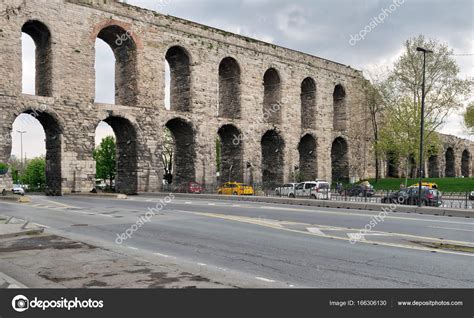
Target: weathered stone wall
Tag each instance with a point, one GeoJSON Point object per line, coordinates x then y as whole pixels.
{"type": "Point", "coordinates": [142, 41]}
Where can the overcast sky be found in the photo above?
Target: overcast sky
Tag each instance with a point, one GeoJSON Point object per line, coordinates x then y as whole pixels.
{"type": "Point", "coordinates": [319, 27]}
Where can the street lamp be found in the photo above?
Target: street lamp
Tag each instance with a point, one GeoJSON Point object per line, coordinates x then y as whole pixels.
{"type": "Point", "coordinates": [419, 49]}
{"type": "Point", "coordinates": [21, 147]}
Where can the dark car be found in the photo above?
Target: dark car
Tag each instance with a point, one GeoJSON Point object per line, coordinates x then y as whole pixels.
{"type": "Point", "coordinates": [429, 197]}
{"type": "Point", "coordinates": [360, 191]}
{"type": "Point", "coordinates": [190, 187]}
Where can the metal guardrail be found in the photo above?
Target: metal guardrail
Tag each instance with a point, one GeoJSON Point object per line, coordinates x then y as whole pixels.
{"type": "Point", "coordinates": [455, 200]}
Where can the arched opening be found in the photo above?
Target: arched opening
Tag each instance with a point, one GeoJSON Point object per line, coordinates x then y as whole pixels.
{"type": "Point", "coordinates": [104, 73]}
{"type": "Point", "coordinates": [339, 108]}
{"type": "Point", "coordinates": [433, 166]}
{"type": "Point", "coordinates": [126, 144]}
{"type": "Point", "coordinates": [184, 155]}
{"type": "Point", "coordinates": [412, 168]}
{"type": "Point", "coordinates": [272, 159]}
{"type": "Point", "coordinates": [231, 154]}
{"type": "Point", "coordinates": [272, 97]}
{"type": "Point", "coordinates": [105, 155]}
{"type": "Point", "coordinates": [450, 171]}
{"type": "Point", "coordinates": [125, 51]}
{"type": "Point", "coordinates": [37, 33]}
{"type": "Point", "coordinates": [180, 79]}
{"type": "Point", "coordinates": [340, 160]}
{"type": "Point", "coordinates": [229, 88]}
{"type": "Point", "coordinates": [36, 152]}
{"type": "Point", "coordinates": [392, 165]}
{"type": "Point", "coordinates": [308, 104]}
{"type": "Point", "coordinates": [466, 164]}
{"type": "Point", "coordinates": [308, 169]}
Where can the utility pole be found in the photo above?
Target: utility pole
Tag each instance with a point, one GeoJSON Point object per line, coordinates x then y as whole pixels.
{"type": "Point", "coordinates": [21, 147]}
{"type": "Point", "coordinates": [422, 125]}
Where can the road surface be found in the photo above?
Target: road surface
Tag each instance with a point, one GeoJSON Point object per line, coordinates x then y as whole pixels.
{"type": "Point", "coordinates": [273, 245]}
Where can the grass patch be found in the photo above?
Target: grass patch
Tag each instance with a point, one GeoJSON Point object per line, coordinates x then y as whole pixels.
{"type": "Point", "coordinates": [444, 184]}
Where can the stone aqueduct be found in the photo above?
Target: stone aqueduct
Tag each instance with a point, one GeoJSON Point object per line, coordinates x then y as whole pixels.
{"type": "Point", "coordinates": [277, 112]}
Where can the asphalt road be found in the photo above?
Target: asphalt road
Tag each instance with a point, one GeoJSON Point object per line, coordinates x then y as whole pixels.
{"type": "Point", "coordinates": [272, 245]}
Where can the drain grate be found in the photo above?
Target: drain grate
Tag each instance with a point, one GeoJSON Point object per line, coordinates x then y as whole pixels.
{"type": "Point", "coordinates": [80, 225]}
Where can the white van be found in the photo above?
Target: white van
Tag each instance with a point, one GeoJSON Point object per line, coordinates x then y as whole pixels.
{"type": "Point", "coordinates": [320, 190]}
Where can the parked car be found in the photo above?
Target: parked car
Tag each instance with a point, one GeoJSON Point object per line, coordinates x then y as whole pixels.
{"type": "Point", "coordinates": [17, 189]}
{"type": "Point", "coordinates": [312, 189]}
{"type": "Point", "coordinates": [285, 189]}
{"type": "Point", "coordinates": [190, 187]}
{"type": "Point", "coordinates": [361, 191]}
{"type": "Point", "coordinates": [429, 197]}
{"type": "Point", "coordinates": [235, 188]}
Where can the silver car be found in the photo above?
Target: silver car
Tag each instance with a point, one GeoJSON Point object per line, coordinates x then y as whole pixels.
{"type": "Point", "coordinates": [17, 189]}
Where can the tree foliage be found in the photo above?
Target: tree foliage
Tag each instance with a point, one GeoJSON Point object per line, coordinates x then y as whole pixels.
{"type": "Point", "coordinates": [469, 118]}
{"type": "Point", "coordinates": [105, 157]}
{"type": "Point", "coordinates": [35, 173]}
{"type": "Point", "coordinates": [401, 92]}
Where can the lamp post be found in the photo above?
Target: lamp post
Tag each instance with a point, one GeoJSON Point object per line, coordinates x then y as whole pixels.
{"type": "Point", "coordinates": [422, 125]}
{"type": "Point", "coordinates": [21, 146]}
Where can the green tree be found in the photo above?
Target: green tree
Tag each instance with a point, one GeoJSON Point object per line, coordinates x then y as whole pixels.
{"type": "Point", "coordinates": [34, 174]}
{"type": "Point", "coordinates": [402, 94]}
{"type": "Point", "coordinates": [105, 158]}
{"type": "Point", "coordinates": [167, 155]}
{"type": "Point", "coordinates": [469, 118]}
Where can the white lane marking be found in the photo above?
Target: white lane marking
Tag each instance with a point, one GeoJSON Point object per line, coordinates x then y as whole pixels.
{"type": "Point", "coordinates": [132, 248]}
{"type": "Point", "coordinates": [315, 230]}
{"type": "Point", "coordinates": [450, 228]}
{"type": "Point", "coordinates": [107, 215]}
{"type": "Point", "coordinates": [265, 279]}
{"type": "Point", "coordinates": [211, 204]}
{"type": "Point", "coordinates": [356, 236]}
{"type": "Point", "coordinates": [236, 205]}
{"type": "Point", "coordinates": [149, 200]}
{"type": "Point", "coordinates": [187, 202]}
{"type": "Point", "coordinates": [41, 225]}
{"type": "Point", "coordinates": [201, 264]}
{"type": "Point", "coordinates": [162, 255]}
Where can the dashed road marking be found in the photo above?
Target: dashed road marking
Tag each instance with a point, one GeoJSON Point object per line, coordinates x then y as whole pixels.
{"type": "Point", "coordinates": [202, 264]}
{"type": "Point", "coordinates": [263, 279]}
{"type": "Point", "coordinates": [132, 248]}
{"type": "Point", "coordinates": [315, 230]}
{"type": "Point", "coordinates": [162, 255]}
{"type": "Point", "coordinates": [41, 225]}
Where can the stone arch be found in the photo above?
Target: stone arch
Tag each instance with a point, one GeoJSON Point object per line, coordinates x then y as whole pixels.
{"type": "Point", "coordinates": [184, 159]}
{"type": "Point", "coordinates": [308, 104]}
{"type": "Point", "coordinates": [339, 108]}
{"type": "Point", "coordinates": [180, 78]}
{"type": "Point", "coordinates": [450, 169]}
{"type": "Point", "coordinates": [124, 48]}
{"type": "Point", "coordinates": [466, 164]}
{"type": "Point", "coordinates": [308, 158]}
{"type": "Point", "coordinates": [53, 139]}
{"type": "Point", "coordinates": [41, 36]}
{"type": "Point", "coordinates": [433, 166]}
{"type": "Point", "coordinates": [126, 180]}
{"type": "Point", "coordinates": [272, 97]}
{"type": "Point", "coordinates": [229, 88]}
{"type": "Point", "coordinates": [273, 146]}
{"type": "Point", "coordinates": [340, 160]}
{"type": "Point", "coordinates": [232, 161]}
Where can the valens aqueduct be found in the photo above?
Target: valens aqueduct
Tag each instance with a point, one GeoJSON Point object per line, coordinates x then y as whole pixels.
{"type": "Point", "coordinates": [277, 112]}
